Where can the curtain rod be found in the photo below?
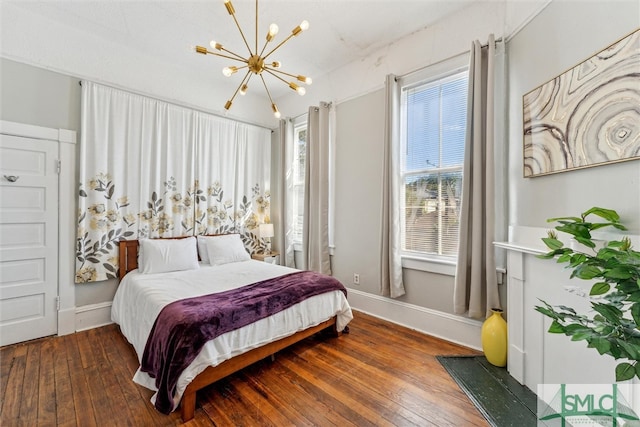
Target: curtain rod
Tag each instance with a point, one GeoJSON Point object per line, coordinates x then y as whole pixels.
{"type": "Point", "coordinates": [179, 105]}
{"type": "Point", "coordinates": [329, 104]}
{"type": "Point", "coordinates": [499, 39]}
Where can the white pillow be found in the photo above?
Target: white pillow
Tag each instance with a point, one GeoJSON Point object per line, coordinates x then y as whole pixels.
{"type": "Point", "coordinates": [163, 255]}
{"type": "Point", "coordinates": [225, 249]}
{"type": "Point", "coordinates": [202, 248]}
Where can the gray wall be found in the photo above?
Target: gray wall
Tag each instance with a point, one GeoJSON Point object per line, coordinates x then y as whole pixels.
{"type": "Point", "coordinates": [359, 151]}
{"type": "Point", "coordinates": [40, 97]}
{"type": "Point", "coordinates": [564, 34]}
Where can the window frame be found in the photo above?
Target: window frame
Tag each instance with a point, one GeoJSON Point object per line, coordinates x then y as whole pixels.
{"type": "Point", "coordinates": [298, 125]}
{"type": "Point", "coordinates": [441, 264]}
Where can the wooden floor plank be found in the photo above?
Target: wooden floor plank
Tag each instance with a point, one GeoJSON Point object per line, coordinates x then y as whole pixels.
{"type": "Point", "coordinates": [65, 407]}
{"type": "Point", "coordinates": [29, 406]}
{"type": "Point", "coordinates": [79, 385]}
{"type": "Point", "coordinates": [46, 387]}
{"type": "Point", "coordinates": [379, 374]}
{"type": "Point", "coordinates": [15, 381]}
{"type": "Point", "coordinates": [6, 360]}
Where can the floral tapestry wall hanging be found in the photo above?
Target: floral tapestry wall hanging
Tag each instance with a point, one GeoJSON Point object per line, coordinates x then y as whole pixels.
{"type": "Point", "coordinates": [587, 116]}
{"type": "Point", "coordinates": [150, 169]}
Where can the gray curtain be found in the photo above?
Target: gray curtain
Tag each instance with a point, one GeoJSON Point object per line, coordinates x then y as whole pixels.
{"type": "Point", "coordinates": [391, 284]}
{"type": "Point", "coordinates": [315, 230]}
{"type": "Point", "coordinates": [476, 288]}
{"type": "Point", "coordinates": [285, 186]}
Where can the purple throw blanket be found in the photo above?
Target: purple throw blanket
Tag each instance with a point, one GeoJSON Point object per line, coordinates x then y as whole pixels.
{"type": "Point", "coordinates": [183, 327]}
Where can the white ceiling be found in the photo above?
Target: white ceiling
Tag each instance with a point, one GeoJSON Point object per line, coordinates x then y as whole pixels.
{"type": "Point", "coordinates": [341, 31]}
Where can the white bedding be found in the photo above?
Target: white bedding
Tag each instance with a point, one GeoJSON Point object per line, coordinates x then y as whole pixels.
{"type": "Point", "coordinates": [140, 298]}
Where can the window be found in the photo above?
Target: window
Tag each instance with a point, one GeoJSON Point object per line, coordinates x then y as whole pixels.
{"type": "Point", "coordinates": [298, 170]}
{"type": "Point", "coordinates": [433, 127]}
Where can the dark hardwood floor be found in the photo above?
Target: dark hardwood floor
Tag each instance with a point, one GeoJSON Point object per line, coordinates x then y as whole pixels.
{"type": "Point", "coordinates": [379, 374]}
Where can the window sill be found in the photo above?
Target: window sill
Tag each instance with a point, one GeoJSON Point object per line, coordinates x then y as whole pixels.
{"type": "Point", "coordinates": [445, 267]}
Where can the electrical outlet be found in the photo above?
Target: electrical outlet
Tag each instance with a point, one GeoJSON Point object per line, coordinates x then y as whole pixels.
{"type": "Point", "coordinates": [356, 279]}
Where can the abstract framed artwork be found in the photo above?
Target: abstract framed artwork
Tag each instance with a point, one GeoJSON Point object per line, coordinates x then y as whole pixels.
{"type": "Point", "coordinates": [587, 116]}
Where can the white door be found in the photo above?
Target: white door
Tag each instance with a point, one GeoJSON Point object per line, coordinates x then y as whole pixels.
{"type": "Point", "coordinates": [28, 238]}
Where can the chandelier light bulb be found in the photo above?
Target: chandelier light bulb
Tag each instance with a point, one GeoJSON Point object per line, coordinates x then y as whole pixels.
{"type": "Point", "coordinates": [301, 91]}
{"type": "Point", "coordinates": [243, 89]}
{"type": "Point", "coordinates": [229, 6]}
{"type": "Point", "coordinates": [304, 25]}
{"type": "Point", "coordinates": [276, 64]}
{"type": "Point", "coordinates": [276, 113]}
{"type": "Point", "coordinates": [304, 79]}
{"type": "Point", "coordinates": [273, 30]}
{"type": "Point", "coordinates": [215, 45]}
{"type": "Point", "coordinates": [228, 71]}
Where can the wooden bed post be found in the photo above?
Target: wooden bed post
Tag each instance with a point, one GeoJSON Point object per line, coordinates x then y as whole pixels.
{"type": "Point", "coordinates": [188, 405]}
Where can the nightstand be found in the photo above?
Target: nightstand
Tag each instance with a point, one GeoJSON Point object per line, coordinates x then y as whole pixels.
{"type": "Point", "coordinates": [271, 258]}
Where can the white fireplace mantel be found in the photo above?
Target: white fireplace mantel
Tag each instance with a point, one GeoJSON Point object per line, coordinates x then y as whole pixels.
{"type": "Point", "coordinates": [534, 355]}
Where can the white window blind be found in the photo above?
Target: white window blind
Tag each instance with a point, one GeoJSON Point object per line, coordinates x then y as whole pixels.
{"type": "Point", "coordinates": [433, 126]}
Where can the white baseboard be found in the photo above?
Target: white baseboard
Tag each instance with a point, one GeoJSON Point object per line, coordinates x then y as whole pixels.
{"type": "Point", "coordinates": [93, 316]}
{"type": "Point", "coordinates": [457, 329]}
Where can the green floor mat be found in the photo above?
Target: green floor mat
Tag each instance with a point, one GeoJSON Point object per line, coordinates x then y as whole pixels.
{"type": "Point", "coordinates": [497, 395]}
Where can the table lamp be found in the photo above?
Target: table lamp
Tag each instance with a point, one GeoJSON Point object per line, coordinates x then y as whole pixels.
{"type": "Point", "coordinates": [266, 232]}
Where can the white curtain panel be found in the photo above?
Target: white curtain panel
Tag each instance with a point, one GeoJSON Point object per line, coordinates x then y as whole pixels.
{"type": "Point", "coordinates": [391, 284]}
{"type": "Point", "coordinates": [286, 228]}
{"type": "Point", "coordinates": [152, 169]}
{"type": "Point", "coordinates": [315, 233]}
{"type": "Point", "coordinates": [476, 288]}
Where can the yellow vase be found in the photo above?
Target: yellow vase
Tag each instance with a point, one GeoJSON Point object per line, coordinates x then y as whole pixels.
{"type": "Point", "coordinates": [494, 338]}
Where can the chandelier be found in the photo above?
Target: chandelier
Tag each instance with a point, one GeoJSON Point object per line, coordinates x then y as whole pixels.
{"type": "Point", "coordinates": [256, 62]}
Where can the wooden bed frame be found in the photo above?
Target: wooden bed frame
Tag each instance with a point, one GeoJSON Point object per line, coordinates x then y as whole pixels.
{"type": "Point", "coordinates": [129, 261]}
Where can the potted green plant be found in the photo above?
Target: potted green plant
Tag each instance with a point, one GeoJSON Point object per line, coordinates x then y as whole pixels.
{"type": "Point", "coordinates": [613, 326]}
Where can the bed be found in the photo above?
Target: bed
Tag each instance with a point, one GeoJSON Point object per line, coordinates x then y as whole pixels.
{"type": "Point", "coordinates": [143, 297]}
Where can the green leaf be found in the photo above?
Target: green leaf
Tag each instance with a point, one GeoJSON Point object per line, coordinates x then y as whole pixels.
{"type": "Point", "coordinates": [562, 219]}
{"type": "Point", "coordinates": [635, 313]}
{"type": "Point", "coordinates": [585, 241]}
{"type": "Point", "coordinates": [599, 289]}
{"type": "Point", "coordinates": [552, 243]}
{"type": "Point", "coordinates": [601, 344]}
{"type": "Point", "coordinates": [625, 371]}
{"type": "Point", "coordinates": [630, 349]}
{"type": "Point", "coordinates": [582, 334]}
{"type": "Point", "coordinates": [577, 259]}
{"type": "Point", "coordinates": [586, 272]}
{"type": "Point", "coordinates": [556, 328]}
{"type": "Point", "coordinates": [564, 258]}
{"type": "Point", "coordinates": [606, 214]}
{"type": "Point", "coordinates": [618, 273]}
{"type": "Point", "coordinates": [576, 230]}
{"type": "Point", "coordinates": [612, 314]}
{"type": "Point", "coordinates": [634, 297]}
{"type": "Point", "coordinates": [546, 311]}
